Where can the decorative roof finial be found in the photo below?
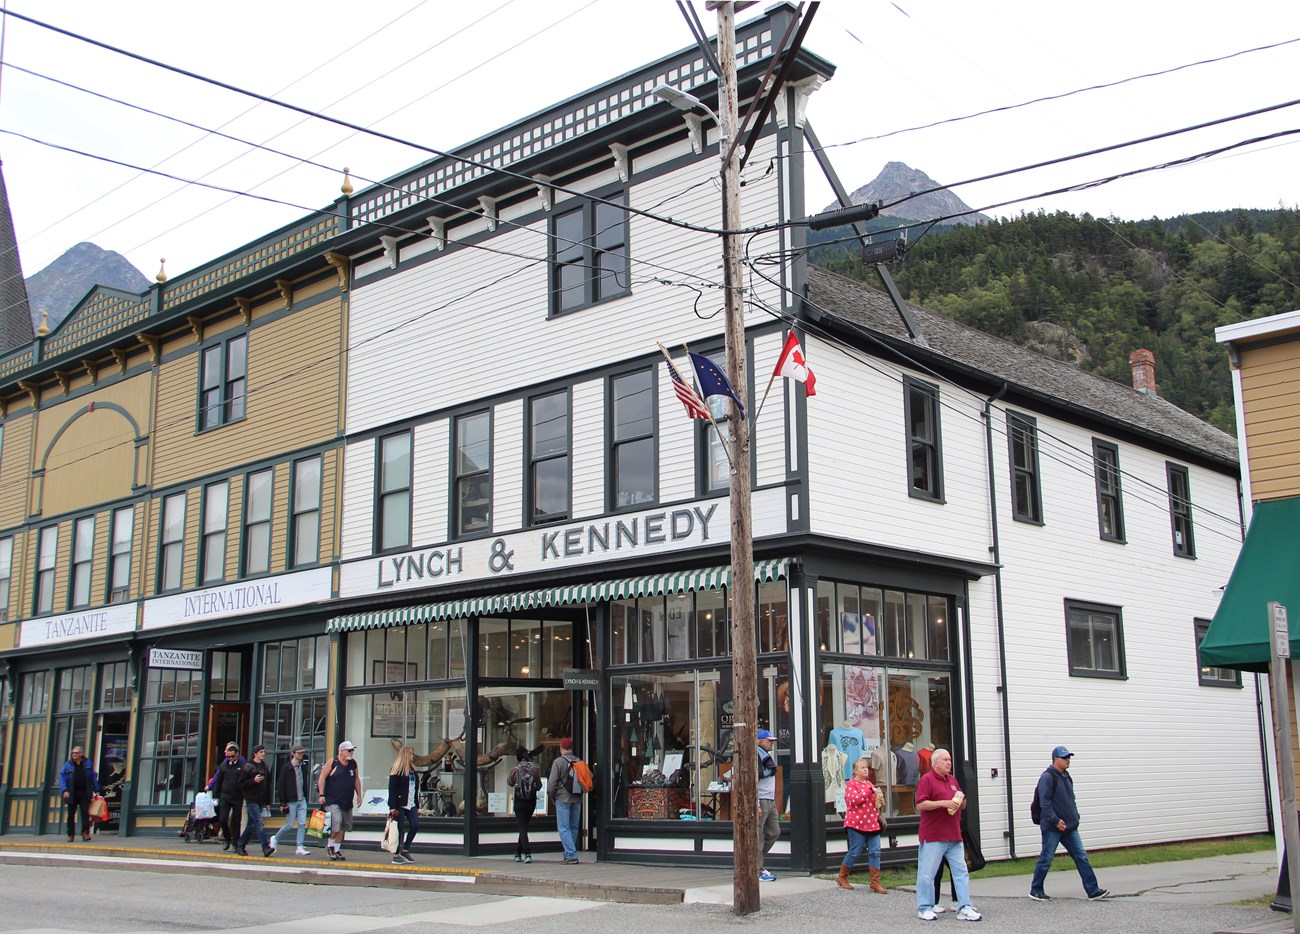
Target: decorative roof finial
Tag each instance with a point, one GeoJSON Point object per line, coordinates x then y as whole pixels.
{"type": "Point", "coordinates": [347, 182]}
{"type": "Point", "coordinates": [162, 270]}
{"type": "Point", "coordinates": [45, 324]}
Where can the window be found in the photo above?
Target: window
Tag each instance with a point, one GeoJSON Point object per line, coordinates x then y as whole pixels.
{"type": "Point", "coordinates": [633, 444]}
{"type": "Point", "coordinates": [716, 472]}
{"type": "Point", "coordinates": [169, 737]}
{"type": "Point", "coordinates": [293, 703]}
{"type": "Point", "coordinates": [47, 560]}
{"type": "Point", "coordinates": [473, 474]}
{"type": "Point", "coordinates": [83, 560]}
{"type": "Point", "coordinates": [6, 575]}
{"type": "Point", "coordinates": [223, 382]}
{"type": "Point", "coordinates": [589, 255]}
{"type": "Point", "coordinates": [172, 560]}
{"type": "Point", "coordinates": [876, 621]}
{"type": "Point", "coordinates": [1180, 510]}
{"type": "Point", "coordinates": [258, 493]}
{"type": "Point", "coordinates": [1095, 640]}
{"type": "Point", "coordinates": [212, 557]}
{"type": "Point", "coordinates": [1208, 675]}
{"type": "Point", "coordinates": [394, 527]}
{"type": "Point", "coordinates": [548, 457]}
{"type": "Point", "coordinates": [924, 464]}
{"type": "Point", "coordinates": [119, 559]}
{"type": "Point", "coordinates": [304, 525]}
{"type": "Point", "coordinates": [1110, 505]}
{"type": "Point", "coordinates": [1026, 491]}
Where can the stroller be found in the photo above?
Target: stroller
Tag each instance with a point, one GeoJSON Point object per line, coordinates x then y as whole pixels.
{"type": "Point", "coordinates": [199, 829]}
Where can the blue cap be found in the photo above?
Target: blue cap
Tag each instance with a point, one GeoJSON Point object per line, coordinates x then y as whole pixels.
{"type": "Point", "coordinates": [1060, 752]}
{"type": "Point", "coordinates": [765, 734]}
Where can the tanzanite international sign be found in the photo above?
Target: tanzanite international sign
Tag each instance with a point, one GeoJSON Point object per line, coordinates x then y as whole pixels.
{"type": "Point", "coordinates": [246, 598]}
{"type": "Point", "coordinates": [113, 620]}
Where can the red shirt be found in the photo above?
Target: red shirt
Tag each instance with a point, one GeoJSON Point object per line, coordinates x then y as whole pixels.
{"type": "Point", "coordinates": [860, 806]}
{"type": "Point", "coordinates": [937, 825]}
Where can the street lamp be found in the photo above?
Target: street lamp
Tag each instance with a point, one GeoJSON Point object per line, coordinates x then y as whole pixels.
{"type": "Point", "coordinates": [683, 101]}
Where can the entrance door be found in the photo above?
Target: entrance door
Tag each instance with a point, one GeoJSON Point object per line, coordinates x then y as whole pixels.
{"type": "Point", "coordinates": [111, 732]}
{"type": "Point", "coordinates": [226, 722]}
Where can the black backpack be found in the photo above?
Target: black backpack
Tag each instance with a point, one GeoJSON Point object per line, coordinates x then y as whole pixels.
{"type": "Point", "coordinates": [1036, 806]}
{"type": "Point", "coordinates": [525, 782]}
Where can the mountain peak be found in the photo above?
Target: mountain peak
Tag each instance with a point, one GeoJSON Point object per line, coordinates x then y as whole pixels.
{"type": "Point", "coordinates": [58, 287]}
{"type": "Point", "coordinates": [898, 180]}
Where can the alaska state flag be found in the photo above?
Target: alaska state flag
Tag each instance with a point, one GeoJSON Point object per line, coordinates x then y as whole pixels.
{"type": "Point", "coordinates": [713, 382]}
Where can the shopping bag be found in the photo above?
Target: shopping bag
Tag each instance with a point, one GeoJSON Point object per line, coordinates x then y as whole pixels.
{"type": "Point", "coordinates": [392, 836]}
{"type": "Point", "coordinates": [316, 824]}
{"type": "Point", "coordinates": [204, 809]}
{"type": "Point", "coordinates": [98, 809]}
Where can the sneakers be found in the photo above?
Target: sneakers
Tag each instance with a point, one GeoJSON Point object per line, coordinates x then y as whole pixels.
{"type": "Point", "coordinates": [407, 857]}
{"type": "Point", "coordinates": [927, 915]}
{"type": "Point", "coordinates": [302, 851]}
{"type": "Point", "coordinates": [968, 913]}
{"type": "Point", "coordinates": [518, 858]}
{"type": "Point", "coordinates": [572, 862]}
{"type": "Point", "coordinates": [939, 909]}
{"type": "Point", "coordinates": [765, 876]}
{"type": "Point", "coordinates": [241, 851]}
{"type": "Point", "coordinates": [1040, 896]}
{"type": "Point", "coordinates": [528, 859]}
{"type": "Point", "coordinates": [334, 854]}
{"type": "Point", "coordinates": [270, 846]}
{"type": "Point", "coordinates": [1101, 893]}
{"type": "Point", "coordinates": [398, 861]}
{"type": "Point", "coordinates": [267, 852]}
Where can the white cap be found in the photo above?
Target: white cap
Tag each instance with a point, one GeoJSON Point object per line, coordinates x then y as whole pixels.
{"type": "Point", "coordinates": [345, 745]}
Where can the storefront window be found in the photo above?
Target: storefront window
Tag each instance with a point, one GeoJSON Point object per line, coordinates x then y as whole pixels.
{"type": "Point", "coordinates": [71, 707]}
{"type": "Point", "coordinates": [421, 652]}
{"type": "Point", "coordinates": [856, 620]}
{"type": "Point", "coordinates": [226, 677]}
{"type": "Point", "coordinates": [692, 625]}
{"type": "Point", "coordinates": [295, 673]}
{"type": "Point", "coordinates": [510, 718]}
{"type": "Point", "coordinates": [170, 736]}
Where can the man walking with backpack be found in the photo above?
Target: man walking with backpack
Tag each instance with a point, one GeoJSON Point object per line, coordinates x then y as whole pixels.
{"type": "Point", "coordinates": [567, 790]}
{"type": "Point", "coordinates": [526, 779]}
{"type": "Point", "coordinates": [1057, 816]}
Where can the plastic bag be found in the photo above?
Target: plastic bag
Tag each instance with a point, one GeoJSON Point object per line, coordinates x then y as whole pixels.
{"type": "Point", "coordinates": [204, 808]}
{"type": "Point", "coordinates": [392, 836]}
{"type": "Point", "coordinates": [318, 824]}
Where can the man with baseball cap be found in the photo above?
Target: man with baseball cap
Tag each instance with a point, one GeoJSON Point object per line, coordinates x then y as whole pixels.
{"type": "Point", "coordinates": [1058, 819]}
{"type": "Point", "coordinates": [769, 829]}
{"type": "Point", "coordinates": [340, 786]}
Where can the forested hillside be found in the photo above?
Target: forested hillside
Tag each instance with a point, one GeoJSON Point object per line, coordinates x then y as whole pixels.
{"type": "Point", "coordinates": [1090, 291]}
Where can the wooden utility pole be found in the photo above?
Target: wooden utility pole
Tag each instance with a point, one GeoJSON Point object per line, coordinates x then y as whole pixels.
{"type": "Point", "coordinates": [1280, 659]}
{"type": "Point", "coordinates": [744, 649]}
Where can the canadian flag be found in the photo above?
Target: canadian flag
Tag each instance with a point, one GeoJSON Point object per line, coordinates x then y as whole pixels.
{"type": "Point", "coordinates": [792, 365]}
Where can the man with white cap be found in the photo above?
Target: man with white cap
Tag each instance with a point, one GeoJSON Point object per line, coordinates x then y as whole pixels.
{"type": "Point", "coordinates": [340, 788]}
{"type": "Point", "coordinates": [1058, 818]}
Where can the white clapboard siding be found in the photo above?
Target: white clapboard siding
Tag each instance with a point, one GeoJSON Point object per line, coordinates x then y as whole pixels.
{"type": "Point", "coordinates": [678, 437]}
{"type": "Point", "coordinates": [588, 448]}
{"type": "Point", "coordinates": [431, 482]}
{"type": "Point", "coordinates": [508, 479]}
{"type": "Point", "coordinates": [769, 435]}
{"type": "Point", "coordinates": [358, 522]}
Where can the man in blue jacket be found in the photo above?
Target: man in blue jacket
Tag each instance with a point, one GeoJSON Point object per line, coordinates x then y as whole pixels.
{"type": "Point", "coordinates": [78, 783]}
{"type": "Point", "coordinates": [1059, 823]}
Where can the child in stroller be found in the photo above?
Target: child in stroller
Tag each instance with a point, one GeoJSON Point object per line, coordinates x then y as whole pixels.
{"type": "Point", "coordinates": [197, 829]}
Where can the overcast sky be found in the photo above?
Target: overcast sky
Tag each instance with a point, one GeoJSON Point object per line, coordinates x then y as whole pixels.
{"type": "Point", "coordinates": [442, 74]}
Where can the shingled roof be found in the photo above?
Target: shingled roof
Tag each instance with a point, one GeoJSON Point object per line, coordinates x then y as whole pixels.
{"type": "Point", "coordinates": [953, 346]}
{"type": "Point", "coordinates": [15, 315]}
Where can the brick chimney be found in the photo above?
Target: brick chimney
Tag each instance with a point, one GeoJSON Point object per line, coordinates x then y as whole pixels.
{"type": "Point", "coordinates": [1143, 363]}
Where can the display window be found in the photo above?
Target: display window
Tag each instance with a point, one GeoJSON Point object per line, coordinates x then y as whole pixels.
{"type": "Point", "coordinates": [169, 736]}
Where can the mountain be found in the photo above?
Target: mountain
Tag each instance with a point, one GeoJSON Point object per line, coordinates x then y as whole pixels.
{"type": "Point", "coordinates": [897, 180]}
{"type": "Point", "coordinates": [58, 287]}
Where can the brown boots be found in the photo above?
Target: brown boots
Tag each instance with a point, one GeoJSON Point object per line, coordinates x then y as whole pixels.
{"type": "Point", "coordinates": [842, 880]}
{"type": "Point", "coordinates": [875, 882]}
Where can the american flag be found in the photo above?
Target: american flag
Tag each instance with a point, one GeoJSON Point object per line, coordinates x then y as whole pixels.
{"type": "Point", "coordinates": [694, 407]}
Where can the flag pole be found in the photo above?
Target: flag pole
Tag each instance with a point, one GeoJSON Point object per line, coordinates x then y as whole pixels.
{"type": "Point", "coordinates": [726, 448]}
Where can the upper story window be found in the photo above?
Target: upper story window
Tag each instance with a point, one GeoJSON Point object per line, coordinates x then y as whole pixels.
{"type": "Point", "coordinates": [223, 382]}
{"type": "Point", "coordinates": [716, 472]}
{"type": "Point", "coordinates": [258, 493]}
{"type": "Point", "coordinates": [1026, 484]}
{"type": "Point", "coordinates": [1095, 640]}
{"type": "Point", "coordinates": [304, 525]}
{"type": "Point", "coordinates": [1210, 675]}
{"type": "Point", "coordinates": [632, 440]}
{"type": "Point", "coordinates": [393, 529]}
{"type": "Point", "coordinates": [1180, 510]}
{"type": "Point", "coordinates": [548, 457]}
{"type": "Point", "coordinates": [171, 560]}
{"type": "Point", "coordinates": [473, 474]}
{"type": "Point", "coordinates": [589, 255]}
{"type": "Point", "coordinates": [924, 453]}
{"type": "Point", "coordinates": [83, 560]}
{"type": "Point", "coordinates": [216, 519]}
{"type": "Point", "coordinates": [47, 562]}
{"type": "Point", "coordinates": [6, 575]}
{"type": "Point", "coordinates": [119, 558]}
{"type": "Point", "coordinates": [1110, 503]}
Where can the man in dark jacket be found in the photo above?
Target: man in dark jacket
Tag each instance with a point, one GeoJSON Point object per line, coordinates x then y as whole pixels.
{"type": "Point", "coordinates": [295, 778]}
{"type": "Point", "coordinates": [255, 782]}
{"type": "Point", "coordinates": [78, 783]}
{"type": "Point", "coordinates": [1060, 825]}
{"type": "Point", "coordinates": [230, 797]}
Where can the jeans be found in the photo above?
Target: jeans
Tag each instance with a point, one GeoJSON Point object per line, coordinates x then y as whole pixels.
{"type": "Point", "coordinates": [857, 840]}
{"type": "Point", "coordinates": [1073, 844]}
{"type": "Point", "coordinates": [568, 818]}
{"type": "Point", "coordinates": [297, 814]}
{"type": "Point", "coordinates": [930, 855]}
{"type": "Point", "coordinates": [254, 815]}
{"type": "Point", "coordinates": [408, 818]}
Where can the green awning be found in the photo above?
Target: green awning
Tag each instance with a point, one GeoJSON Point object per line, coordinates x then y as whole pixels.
{"type": "Point", "coordinates": [623, 589]}
{"type": "Point", "coordinates": [1268, 569]}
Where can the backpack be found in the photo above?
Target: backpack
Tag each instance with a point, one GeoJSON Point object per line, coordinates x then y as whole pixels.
{"type": "Point", "coordinates": [1036, 806]}
{"type": "Point", "coordinates": [577, 780]}
{"type": "Point", "coordinates": [525, 782]}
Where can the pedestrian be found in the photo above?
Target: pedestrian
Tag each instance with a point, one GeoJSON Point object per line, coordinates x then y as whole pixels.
{"type": "Point", "coordinates": [255, 782]}
{"type": "Point", "coordinates": [769, 828]}
{"type": "Point", "coordinates": [526, 779]}
{"type": "Point", "coordinates": [404, 803]}
{"type": "Point", "coordinates": [568, 806]}
{"type": "Point", "coordinates": [862, 801]}
{"type": "Point", "coordinates": [230, 796]}
{"type": "Point", "coordinates": [940, 801]}
{"type": "Point", "coordinates": [78, 783]}
{"type": "Point", "coordinates": [1059, 823]}
{"type": "Point", "coordinates": [292, 788]}
{"type": "Point", "coordinates": [340, 787]}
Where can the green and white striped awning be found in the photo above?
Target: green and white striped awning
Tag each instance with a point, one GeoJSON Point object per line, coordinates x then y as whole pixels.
{"type": "Point", "coordinates": [623, 589]}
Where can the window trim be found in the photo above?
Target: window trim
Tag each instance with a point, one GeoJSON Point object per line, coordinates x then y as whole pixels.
{"type": "Point", "coordinates": [87, 563]}
{"type": "Point", "coordinates": [589, 208]}
{"type": "Point", "coordinates": [52, 570]}
{"type": "Point", "coordinates": [612, 444]}
{"type": "Point", "coordinates": [705, 436]}
{"type": "Point", "coordinates": [1111, 448]}
{"type": "Point", "coordinates": [531, 460]}
{"type": "Point", "coordinates": [114, 553]}
{"type": "Point", "coordinates": [1027, 425]}
{"type": "Point", "coordinates": [1199, 627]}
{"type": "Point", "coordinates": [931, 390]}
{"type": "Point", "coordinates": [291, 553]}
{"type": "Point", "coordinates": [456, 476]}
{"type": "Point", "coordinates": [381, 494]}
{"type": "Point", "coordinates": [1181, 512]}
{"type": "Point", "coordinates": [202, 577]}
{"type": "Point", "coordinates": [225, 397]}
{"type": "Point", "coordinates": [246, 525]}
{"type": "Point", "coordinates": [6, 582]}
{"type": "Point", "coordinates": [1075, 671]}
{"type": "Point", "coordinates": [164, 542]}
